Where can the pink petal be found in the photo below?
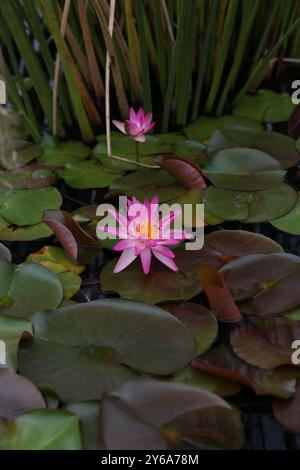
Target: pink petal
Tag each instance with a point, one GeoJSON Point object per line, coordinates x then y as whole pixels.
{"type": "Point", "coordinates": [124, 244]}
{"type": "Point", "coordinates": [170, 241]}
{"type": "Point", "coordinates": [126, 258]}
{"type": "Point", "coordinates": [140, 138]}
{"type": "Point", "coordinates": [165, 260]}
{"type": "Point", "coordinates": [121, 126]}
{"type": "Point", "coordinates": [140, 114]}
{"type": "Point", "coordinates": [146, 259]}
{"type": "Point", "coordinates": [179, 234]}
{"type": "Point", "coordinates": [148, 127]}
{"type": "Point", "coordinates": [132, 115]}
{"type": "Point", "coordinates": [132, 128]}
{"type": "Point", "coordinates": [164, 251]}
{"type": "Point", "coordinates": [147, 119]}
{"type": "Point", "coordinates": [138, 247]}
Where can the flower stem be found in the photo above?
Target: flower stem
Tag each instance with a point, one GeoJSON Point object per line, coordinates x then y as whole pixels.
{"type": "Point", "coordinates": [137, 151]}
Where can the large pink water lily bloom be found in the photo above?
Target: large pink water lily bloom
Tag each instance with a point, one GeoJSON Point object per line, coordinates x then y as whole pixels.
{"type": "Point", "coordinates": [141, 236]}
{"type": "Point", "coordinates": [137, 125]}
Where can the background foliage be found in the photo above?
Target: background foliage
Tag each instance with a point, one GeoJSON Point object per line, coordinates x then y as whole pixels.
{"type": "Point", "coordinates": [177, 58]}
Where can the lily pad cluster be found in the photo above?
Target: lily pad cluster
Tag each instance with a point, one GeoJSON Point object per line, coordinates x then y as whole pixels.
{"type": "Point", "coordinates": [157, 361]}
{"type": "Point", "coordinates": [248, 175]}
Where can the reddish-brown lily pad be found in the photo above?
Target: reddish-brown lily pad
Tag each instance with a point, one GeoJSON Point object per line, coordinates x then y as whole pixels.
{"type": "Point", "coordinates": [17, 395]}
{"type": "Point", "coordinates": [199, 320]}
{"type": "Point", "coordinates": [266, 349]}
{"type": "Point", "coordinates": [222, 363]}
{"type": "Point", "coordinates": [148, 414]}
{"type": "Point", "coordinates": [221, 247]}
{"type": "Point", "coordinates": [185, 172]}
{"type": "Point", "coordinates": [270, 282]}
{"type": "Point", "coordinates": [160, 285]}
{"type": "Point", "coordinates": [219, 296]}
{"type": "Point", "coordinates": [79, 245]}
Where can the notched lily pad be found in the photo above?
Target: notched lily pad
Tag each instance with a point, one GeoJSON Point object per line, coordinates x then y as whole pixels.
{"type": "Point", "coordinates": [160, 285]}
{"type": "Point", "coordinates": [28, 177]}
{"type": "Point", "coordinates": [94, 354]}
{"type": "Point", "coordinates": [42, 430]}
{"type": "Point", "coordinates": [87, 174]}
{"type": "Point", "coordinates": [267, 349]}
{"type": "Point", "coordinates": [203, 128]}
{"type": "Point", "coordinates": [220, 362]}
{"type": "Point", "coordinates": [17, 395]}
{"type": "Point", "coordinates": [217, 385]}
{"type": "Point", "coordinates": [290, 222]}
{"type": "Point", "coordinates": [146, 184]}
{"type": "Point", "coordinates": [265, 106]}
{"type": "Point", "coordinates": [279, 146]}
{"type": "Point", "coordinates": [199, 320]}
{"type": "Point", "coordinates": [267, 282]}
{"type": "Point", "coordinates": [148, 414]}
{"type": "Point", "coordinates": [26, 288]}
{"type": "Point", "coordinates": [11, 331]}
{"type": "Point", "coordinates": [250, 207]}
{"type": "Point", "coordinates": [56, 153]}
{"type": "Point", "coordinates": [26, 206]}
{"type": "Point", "coordinates": [244, 169]}
{"type": "Point", "coordinates": [221, 247]}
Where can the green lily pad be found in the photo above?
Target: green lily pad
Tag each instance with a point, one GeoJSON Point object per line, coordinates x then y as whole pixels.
{"type": "Point", "coordinates": [249, 207]}
{"type": "Point", "coordinates": [56, 153]}
{"type": "Point", "coordinates": [55, 259]}
{"type": "Point", "coordinates": [203, 128]}
{"type": "Point", "coordinates": [11, 232]}
{"type": "Point", "coordinates": [94, 355]}
{"type": "Point", "coordinates": [290, 222]}
{"type": "Point", "coordinates": [245, 169]}
{"type": "Point", "coordinates": [18, 153]}
{"type": "Point", "coordinates": [146, 184]}
{"type": "Point", "coordinates": [89, 174]}
{"type": "Point", "coordinates": [26, 288]}
{"type": "Point", "coordinates": [199, 320]}
{"type": "Point", "coordinates": [88, 413]}
{"type": "Point", "coordinates": [11, 331]}
{"type": "Point", "coordinates": [193, 150]}
{"type": "Point", "coordinates": [292, 314]}
{"type": "Point", "coordinates": [160, 285]}
{"type": "Point", "coordinates": [197, 378]}
{"type": "Point", "coordinates": [28, 177]}
{"type": "Point", "coordinates": [265, 106]}
{"type": "Point", "coordinates": [125, 146]}
{"type": "Point", "coordinates": [26, 206]}
{"type": "Point", "coordinates": [279, 146]}
{"type": "Point", "coordinates": [41, 430]}
{"type": "Point", "coordinates": [170, 137]}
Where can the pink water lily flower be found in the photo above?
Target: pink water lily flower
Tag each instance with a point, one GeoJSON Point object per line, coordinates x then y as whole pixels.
{"type": "Point", "coordinates": [145, 235]}
{"type": "Point", "coordinates": [137, 125]}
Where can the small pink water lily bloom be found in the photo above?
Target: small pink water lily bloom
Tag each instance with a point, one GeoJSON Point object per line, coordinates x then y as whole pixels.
{"type": "Point", "coordinates": [137, 125]}
{"type": "Point", "coordinates": [144, 235]}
